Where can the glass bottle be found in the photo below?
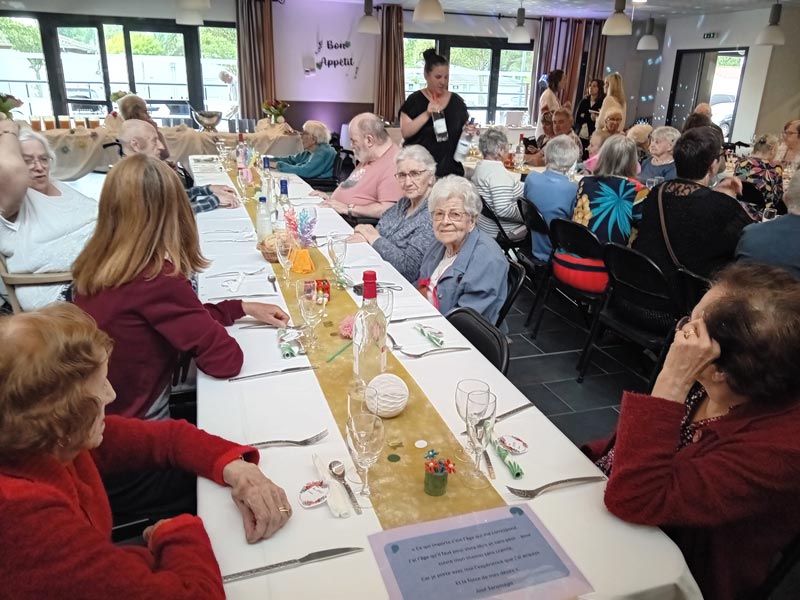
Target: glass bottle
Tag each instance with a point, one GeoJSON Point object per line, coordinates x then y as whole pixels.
{"type": "Point", "coordinates": [263, 218]}
{"type": "Point", "coordinates": [519, 155]}
{"type": "Point", "coordinates": [369, 335]}
{"type": "Point", "coordinates": [464, 144]}
{"type": "Point", "coordinates": [283, 199]}
{"type": "Point", "coordinates": [241, 153]}
{"type": "Point", "coordinates": [439, 126]}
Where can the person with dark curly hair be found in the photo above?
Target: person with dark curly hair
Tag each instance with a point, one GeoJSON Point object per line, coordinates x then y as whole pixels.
{"type": "Point", "coordinates": [712, 454]}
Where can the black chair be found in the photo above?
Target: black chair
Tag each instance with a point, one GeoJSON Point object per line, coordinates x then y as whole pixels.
{"type": "Point", "coordinates": [505, 242]}
{"type": "Point", "coordinates": [788, 559]}
{"type": "Point", "coordinates": [327, 184]}
{"type": "Point", "coordinates": [640, 304]}
{"type": "Point", "coordinates": [516, 279]}
{"type": "Point", "coordinates": [573, 238]}
{"type": "Point", "coordinates": [690, 287]}
{"type": "Point", "coordinates": [487, 339]}
{"type": "Point", "coordinates": [536, 223]}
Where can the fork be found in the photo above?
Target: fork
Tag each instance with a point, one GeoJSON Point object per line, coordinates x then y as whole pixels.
{"type": "Point", "coordinates": [245, 273]}
{"type": "Point", "coordinates": [543, 488]}
{"type": "Point", "coordinates": [397, 347]}
{"type": "Point", "coordinates": [306, 442]}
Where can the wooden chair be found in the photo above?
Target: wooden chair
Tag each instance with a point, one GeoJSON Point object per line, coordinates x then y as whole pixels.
{"type": "Point", "coordinates": [12, 280]}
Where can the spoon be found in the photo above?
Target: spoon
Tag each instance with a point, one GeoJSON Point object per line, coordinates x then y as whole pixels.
{"type": "Point", "coordinates": [337, 470]}
{"type": "Point", "coordinates": [272, 279]}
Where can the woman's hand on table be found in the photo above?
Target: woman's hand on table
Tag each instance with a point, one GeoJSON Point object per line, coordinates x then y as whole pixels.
{"type": "Point", "coordinates": [226, 194]}
{"type": "Point", "coordinates": [266, 313]}
{"type": "Point", "coordinates": [264, 506]}
{"type": "Point", "coordinates": [691, 352]}
{"type": "Point", "coordinates": [325, 197]}
{"type": "Point", "coordinates": [367, 232]}
{"type": "Point", "coordinates": [339, 207]}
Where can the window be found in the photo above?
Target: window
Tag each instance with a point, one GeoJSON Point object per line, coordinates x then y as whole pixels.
{"type": "Point", "coordinates": [491, 75]}
{"type": "Point", "coordinates": [220, 69]}
{"type": "Point", "coordinates": [81, 64]}
{"type": "Point", "coordinates": [160, 72]}
{"type": "Point", "coordinates": [22, 66]}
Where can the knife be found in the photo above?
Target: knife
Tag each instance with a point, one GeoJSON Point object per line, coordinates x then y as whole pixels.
{"type": "Point", "coordinates": [290, 564]}
{"type": "Point", "coordinates": [489, 466]}
{"type": "Point", "coordinates": [508, 414]}
{"type": "Point", "coordinates": [270, 373]}
{"type": "Point", "coordinates": [417, 318]}
{"type": "Point", "coordinates": [238, 296]}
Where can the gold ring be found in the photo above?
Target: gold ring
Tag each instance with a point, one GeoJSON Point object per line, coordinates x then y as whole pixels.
{"type": "Point", "coordinates": [688, 333]}
{"type": "Point", "coordinates": [284, 509]}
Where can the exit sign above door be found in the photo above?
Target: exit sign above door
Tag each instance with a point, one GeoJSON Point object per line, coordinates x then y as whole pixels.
{"type": "Point", "coordinates": [709, 36]}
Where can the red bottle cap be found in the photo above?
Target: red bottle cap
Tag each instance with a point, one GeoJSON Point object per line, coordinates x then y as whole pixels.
{"type": "Point", "coordinates": [241, 137]}
{"type": "Point", "coordinates": [370, 285]}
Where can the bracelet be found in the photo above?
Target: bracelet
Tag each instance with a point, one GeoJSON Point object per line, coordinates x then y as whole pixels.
{"type": "Point", "coordinates": [5, 131]}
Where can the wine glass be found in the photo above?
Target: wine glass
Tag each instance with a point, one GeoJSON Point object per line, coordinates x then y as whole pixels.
{"type": "Point", "coordinates": [242, 184]}
{"type": "Point", "coordinates": [769, 214]}
{"type": "Point", "coordinates": [365, 437]}
{"type": "Point", "coordinates": [284, 249]}
{"type": "Point", "coordinates": [311, 306]}
{"type": "Point", "coordinates": [337, 251]}
{"type": "Point", "coordinates": [463, 389]}
{"type": "Point", "coordinates": [481, 412]}
{"type": "Point", "coordinates": [385, 299]}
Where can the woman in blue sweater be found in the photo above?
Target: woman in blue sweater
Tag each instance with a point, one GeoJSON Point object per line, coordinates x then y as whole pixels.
{"type": "Point", "coordinates": [317, 157]}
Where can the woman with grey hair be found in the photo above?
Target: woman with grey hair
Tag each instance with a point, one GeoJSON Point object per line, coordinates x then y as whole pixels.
{"type": "Point", "coordinates": [660, 163]}
{"type": "Point", "coordinates": [405, 232]}
{"type": "Point", "coordinates": [317, 158]}
{"type": "Point", "coordinates": [465, 267]}
{"type": "Point", "coordinates": [609, 202]}
{"type": "Point", "coordinates": [552, 192]}
{"type": "Point", "coordinates": [498, 187]}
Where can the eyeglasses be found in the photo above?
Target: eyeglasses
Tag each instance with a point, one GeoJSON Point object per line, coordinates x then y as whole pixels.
{"type": "Point", "coordinates": [454, 216]}
{"type": "Point", "coordinates": [32, 160]}
{"type": "Point", "coordinates": [413, 175]}
{"type": "Point", "coordinates": [787, 133]}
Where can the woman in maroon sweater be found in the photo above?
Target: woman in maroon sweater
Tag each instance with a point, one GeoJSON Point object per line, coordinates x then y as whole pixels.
{"type": "Point", "coordinates": [713, 454]}
{"type": "Point", "coordinates": [55, 442]}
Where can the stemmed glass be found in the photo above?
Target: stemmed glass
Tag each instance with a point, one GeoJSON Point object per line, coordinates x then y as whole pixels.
{"type": "Point", "coordinates": [311, 306]}
{"type": "Point", "coordinates": [385, 299]}
{"type": "Point", "coordinates": [337, 251]}
{"type": "Point", "coordinates": [463, 389]}
{"type": "Point", "coordinates": [284, 249]}
{"type": "Point", "coordinates": [365, 437]}
{"type": "Point", "coordinates": [242, 184]}
{"type": "Point", "coordinates": [481, 411]}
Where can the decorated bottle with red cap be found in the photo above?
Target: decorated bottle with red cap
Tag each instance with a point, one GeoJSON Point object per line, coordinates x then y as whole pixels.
{"type": "Point", "coordinates": [369, 334]}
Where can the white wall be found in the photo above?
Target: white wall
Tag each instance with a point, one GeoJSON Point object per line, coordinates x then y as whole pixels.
{"type": "Point", "coordinates": [734, 30]}
{"type": "Point", "coordinates": [304, 31]}
{"type": "Point", "coordinates": [221, 10]}
{"type": "Point", "coordinates": [781, 100]}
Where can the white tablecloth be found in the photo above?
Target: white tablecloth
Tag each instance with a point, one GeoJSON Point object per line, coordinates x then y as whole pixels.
{"type": "Point", "coordinates": [619, 560]}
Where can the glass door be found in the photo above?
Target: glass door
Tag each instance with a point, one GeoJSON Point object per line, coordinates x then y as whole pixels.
{"type": "Point", "coordinates": [86, 90]}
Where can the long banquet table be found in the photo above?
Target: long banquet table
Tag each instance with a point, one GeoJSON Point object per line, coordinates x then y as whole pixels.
{"type": "Point", "coordinates": [618, 559]}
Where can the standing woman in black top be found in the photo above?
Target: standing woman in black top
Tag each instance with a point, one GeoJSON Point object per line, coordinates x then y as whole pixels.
{"type": "Point", "coordinates": [416, 120]}
{"type": "Point", "coordinates": [583, 116]}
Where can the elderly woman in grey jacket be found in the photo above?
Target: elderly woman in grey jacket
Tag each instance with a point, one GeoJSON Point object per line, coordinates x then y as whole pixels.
{"type": "Point", "coordinates": [466, 267]}
{"type": "Point", "coordinates": [405, 232]}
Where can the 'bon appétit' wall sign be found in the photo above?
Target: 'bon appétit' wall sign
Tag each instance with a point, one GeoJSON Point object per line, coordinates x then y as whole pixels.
{"type": "Point", "coordinates": [335, 54]}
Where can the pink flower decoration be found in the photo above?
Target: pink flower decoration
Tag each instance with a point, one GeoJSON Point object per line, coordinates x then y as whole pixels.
{"type": "Point", "coordinates": [346, 327]}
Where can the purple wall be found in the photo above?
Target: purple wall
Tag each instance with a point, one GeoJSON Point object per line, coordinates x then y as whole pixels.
{"type": "Point", "coordinates": [333, 114]}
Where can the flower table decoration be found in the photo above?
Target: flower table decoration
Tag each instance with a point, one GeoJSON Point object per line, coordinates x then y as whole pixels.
{"type": "Point", "coordinates": [436, 472]}
{"type": "Point", "coordinates": [9, 103]}
{"type": "Point", "coordinates": [275, 109]}
{"type": "Point", "coordinates": [301, 225]}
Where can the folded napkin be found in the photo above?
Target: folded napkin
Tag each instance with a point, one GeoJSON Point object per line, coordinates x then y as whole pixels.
{"type": "Point", "coordinates": [505, 456]}
{"type": "Point", "coordinates": [433, 335]}
{"type": "Point", "coordinates": [338, 502]}
{"type": "Point", "coordinates": [289, 343]}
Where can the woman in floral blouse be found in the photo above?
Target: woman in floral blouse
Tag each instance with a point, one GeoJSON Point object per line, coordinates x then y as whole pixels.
{"type": "Point", "coordinates": [762, 171]}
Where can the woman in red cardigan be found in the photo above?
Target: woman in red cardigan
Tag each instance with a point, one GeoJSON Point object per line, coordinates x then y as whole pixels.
{"type": "Point", "coordinates": [713, 454]}
{"type": "Point", "coordinates": [55, 442]}
{"type": "Point", "coordinates": [133, 278]}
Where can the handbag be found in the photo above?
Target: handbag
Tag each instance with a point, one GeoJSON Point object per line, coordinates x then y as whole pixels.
{"type": "Point", "coordinates": [664, 234]}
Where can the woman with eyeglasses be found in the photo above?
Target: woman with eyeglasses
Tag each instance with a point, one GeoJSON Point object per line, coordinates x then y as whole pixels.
{"type": "Point", "coordinates": [789, 151]}
{"type": "Point", "coordinates": [404, 232]}
{"type": "Point", "coordinates": [45, 226]}
{"type": "Point", "coordinates": [465, 267]}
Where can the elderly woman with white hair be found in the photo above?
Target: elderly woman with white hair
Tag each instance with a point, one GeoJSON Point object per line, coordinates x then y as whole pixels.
{"type": "Point", "coordinates": [317, 157]}
{"type": "Point", "coordinates": [405, 231]}
{"type": "Point", "coordinates": [498, 187]}
{"type": "Point", "coordinates": [45, 227]}
{"type": "Point", "coordinates": [465, 267]}
{"type": "Point", "coordinates": [661, 162]}
{"type": "Point", "coordinates": [551, 191]}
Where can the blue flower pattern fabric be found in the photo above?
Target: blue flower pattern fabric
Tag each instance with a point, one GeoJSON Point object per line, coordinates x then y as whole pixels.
{"type": "Point", "coordinates": [610, 207]}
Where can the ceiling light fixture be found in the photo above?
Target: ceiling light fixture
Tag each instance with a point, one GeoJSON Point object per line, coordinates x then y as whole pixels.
{"type": "Point", "coordinates": [428, 11]}
{"type": "Point", "coordinates": [619, 23]}
{"type": "Point", "coordinates": [772, 34]}
{"type": "Point", "coordinates": [648, 41]}
{"type": "Point", "coordinates": [520, 33]}
{"type": "Point", "coordinates": [190, 12]}
{"type": "Point", "coordinates": [369, 22]}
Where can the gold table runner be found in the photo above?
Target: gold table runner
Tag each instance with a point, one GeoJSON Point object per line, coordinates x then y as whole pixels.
{"type": "Point", "coordinates": [397, 487]}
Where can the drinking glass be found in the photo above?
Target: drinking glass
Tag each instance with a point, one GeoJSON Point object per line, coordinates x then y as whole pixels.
{"type": "Point", "coordinates": [312, 306]}
{"type": "Point", "coordinates": [284, 249]}
{"type": "Point", "coordinates": [242, 185]}
{"type": "Point", "coordinates": [337, 251]}
{"type": "Point", "coordinates": [365, 437]}
{"type": "Point", "coordinates": [463, 389]}
{"type": "Point", "coordinates": [650, 183]}
{"type": "Point", "coordinates": [385, 299]}
{"type": "Point", "coordinates": [769, 214]}
{"type": "Point", "coordinates": [481, 412]}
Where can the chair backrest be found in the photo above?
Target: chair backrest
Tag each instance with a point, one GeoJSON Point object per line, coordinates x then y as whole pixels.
{"type": "Point", "coordinates": [575, 238]}
{"type": "Point", "coordinates": [516, 279]}
{"type": "Point", "coordinates": [690, 288]}
{"type": "Point", "coordinates": [752, 195]}
{"type": "Point", "coordinates": [640, 290]}
{"type": "Point", "coordinates": [487, 339]}
{"type": "Point", "coordinates": [487, 212]}
{"type": "Point", "coordinates": [534, 220]}
{"type": "Point", "coordinates": [787, 561]}
{"type": "Point", "coordinates": [12, 280]}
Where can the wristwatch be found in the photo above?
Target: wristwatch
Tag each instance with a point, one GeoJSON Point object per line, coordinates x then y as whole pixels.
{"type": "Point", "coordinates": [350, 208]}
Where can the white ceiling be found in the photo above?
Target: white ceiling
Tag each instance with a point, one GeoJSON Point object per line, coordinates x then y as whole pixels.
{"type": "Point", "coordinates": [595, 8]}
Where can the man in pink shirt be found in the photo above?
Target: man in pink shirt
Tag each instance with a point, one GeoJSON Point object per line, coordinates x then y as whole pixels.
{"type": "Point", "coordinates": [371, 188]}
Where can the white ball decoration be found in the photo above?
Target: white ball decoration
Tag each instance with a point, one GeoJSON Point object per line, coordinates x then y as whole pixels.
{"type": "Point", "coordinates": [391, 397]}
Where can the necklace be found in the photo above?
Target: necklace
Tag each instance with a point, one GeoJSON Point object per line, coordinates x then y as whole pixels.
{"type": "Point", "coordinates": [448, 254]}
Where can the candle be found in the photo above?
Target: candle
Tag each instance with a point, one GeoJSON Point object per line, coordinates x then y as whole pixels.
{"type": "Point", "coordinates": [64, 122]}
{"type": "Point", "coordinates": [36, 123]}
{"type": "Point", "coordinates": [50, 122]}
